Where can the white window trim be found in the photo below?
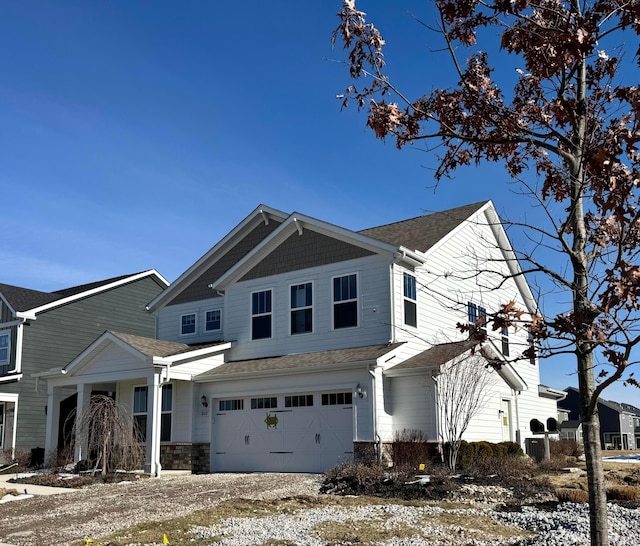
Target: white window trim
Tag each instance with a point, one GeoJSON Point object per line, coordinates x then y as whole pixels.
{"type": "Point", "coordinates": [205, 320]}
{"type": "Point", "coordinates": [407, 298]}
{"type": "Point", "coordinates": [195, 318]}
{"type": "Point", "coordinates": [357, 300]}
{"type": "Point", "coordinates": [251, 315]}
{"type": "Point", "coordinates": [312, 306]}
{"type": "Point", "coordinates": [8, 334]}
{"type": "Point", "coordinates": [165, 412]}
{"type": "Point", "coordinates": [133, 406]}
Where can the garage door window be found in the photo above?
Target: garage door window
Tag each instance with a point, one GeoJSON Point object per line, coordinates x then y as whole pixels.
{"type": "Point", "coordinates": [264, 403]}
{"type": "Point", "coordinates": [337, 398]}
{"type": "Point", "coordinates": [298, 401]}
{"type": "Point", "coordinates": [231, 405]}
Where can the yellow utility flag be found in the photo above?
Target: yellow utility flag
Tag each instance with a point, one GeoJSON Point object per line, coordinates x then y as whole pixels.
{"type": "Point", "coordinates": [165, 540]}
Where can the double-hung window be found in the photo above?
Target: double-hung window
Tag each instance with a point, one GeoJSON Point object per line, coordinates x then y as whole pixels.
{"type": "Point", "coordinates": [345, 301]}
{"type": "Point", "coordinates": [213, 320]}
{"type": "Point", "coordinates": [478, 316]}
{"type": "Point", "coordinates": [261, 315]}
{"type": "Point", "coordinates": [188, 324]}
{"type": "Point", "coordinates": [302, 308]}
{"type": "Point", "coordinates": [166, 408]}
{"type": "Point", "coordinates": [4, 347]}
{"type": "Point", "coordinates": [505, 341]}
{"type": "Point", "coordinates": [410, 300]}
{"type": "Point", "coordinates": [140, 411]}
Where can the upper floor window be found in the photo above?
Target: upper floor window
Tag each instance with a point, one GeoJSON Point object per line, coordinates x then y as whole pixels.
{"type": "Point", "coordinates": [477, 315]}
{"type": "Point", "coordinates": [213, 320]}
{"type": "Point", "coordinates": [505, 341]}
{"type": "Point", "coordinates": [188, 324]}
{"type": "Point", "coordinates": [345, 301]}
{"type": "Point", "coordinates": [302, 308]}
{"type": "Point", "coordinates": [410, 300]}
{"type": "Point", "coordinates": [261, 315]}
{"type": "Point", "coordinates": [4, 347]}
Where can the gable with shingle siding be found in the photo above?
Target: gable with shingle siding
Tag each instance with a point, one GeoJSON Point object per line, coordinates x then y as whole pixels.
{"type": "Point", "coordinates": [311, 249]}
{"type": "Point", "coordinates": [233, 252]}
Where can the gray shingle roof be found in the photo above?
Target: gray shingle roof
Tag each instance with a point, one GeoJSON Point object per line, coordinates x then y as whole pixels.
{"type": "Point", "coordinates": [422, 232]}
{"type": "Point", "coordinates": [436, 355]}
{"type": "Point", "coordinates": [156, 347]}
{"type": "Point", "coordinates": [299, 362]}
{"type": "Point", "coordinates": [24, 299]}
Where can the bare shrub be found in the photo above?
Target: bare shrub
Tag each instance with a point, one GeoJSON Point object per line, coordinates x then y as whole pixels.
{"type": "Point", "coordinates": [21, 457]}
{"type": "Point", "coordinates": [410, 449]}
{"type": "Point", "coordinates": [57, 460]}
{"type": "Point", "coordinates": [504, 467]}
{"type": "Point", "coordinates": [567, 448]}
{"type": "Point", "coordinates": [357, 473]}
{"type": "Point", "coordinates": [566, 494]}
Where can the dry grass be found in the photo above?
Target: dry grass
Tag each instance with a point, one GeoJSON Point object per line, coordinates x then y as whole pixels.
{"type": "Point", "coordinates": [4, 492]}
{"type": "Point", "coordinates": [353, 531]}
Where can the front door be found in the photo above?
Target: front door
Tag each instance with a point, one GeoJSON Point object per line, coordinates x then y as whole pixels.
{"type": "Point", "coordinates": [505, 416]}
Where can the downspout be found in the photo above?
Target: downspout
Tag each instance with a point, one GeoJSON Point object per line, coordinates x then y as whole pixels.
{"type": "Point", "coordinates": [19, 337]}
{"type": "Point", "coordinates": [376, 436]}
{"type": "Point", "coordinates": [517, 408]}
{"type": "Point", "coordinates": [392, 299]}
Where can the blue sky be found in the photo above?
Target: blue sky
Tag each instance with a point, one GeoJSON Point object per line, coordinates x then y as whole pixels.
{"type": "Point", "coordinates": [134, 135]}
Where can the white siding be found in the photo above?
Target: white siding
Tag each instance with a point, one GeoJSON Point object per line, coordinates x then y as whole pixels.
{"type": "Point", "coordinates": [168, 324]}
{"type": "Point", "coordinates": [413, 405]}
{"type": "Point", "coordinates": [373, 321]}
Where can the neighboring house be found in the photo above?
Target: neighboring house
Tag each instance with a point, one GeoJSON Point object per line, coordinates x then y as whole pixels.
{"type": "Point", "coordinates": [40, 330]}
{"type": "Point", "coordinates": [571, 430]}
{"type": "Point", "coordinates": [619, 422]}
{"type": "Point", "coordinates": [294, 344]}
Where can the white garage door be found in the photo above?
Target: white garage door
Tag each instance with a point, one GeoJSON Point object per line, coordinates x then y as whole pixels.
{"type": "Point", "coordinates": [284, 433]}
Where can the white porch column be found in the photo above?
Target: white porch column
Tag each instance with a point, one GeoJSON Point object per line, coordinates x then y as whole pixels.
{"type": "Point", "coordinates": [154, 401]}
{"type": "Point", "coordinates": [84, 398]}
{"type": "Point", "coordinates": [53, 418]}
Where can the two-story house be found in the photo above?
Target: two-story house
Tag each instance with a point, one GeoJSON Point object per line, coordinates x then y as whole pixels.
{"type": "Point", "coordinates": [619, 422]}
{"type": "Point", "coordinates": [294, 344]}
{"type": "Point", "coordinates": [41, 330]}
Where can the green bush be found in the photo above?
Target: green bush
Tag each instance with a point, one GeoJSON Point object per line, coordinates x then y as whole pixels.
{"type": "Point", "coordinates": [479, 458]}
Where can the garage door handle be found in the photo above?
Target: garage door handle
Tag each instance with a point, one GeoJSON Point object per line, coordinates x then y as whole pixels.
{"type": "Point", "coordinates": [317, 438]}
{"type": "Point", "coordinates": [246, 440]}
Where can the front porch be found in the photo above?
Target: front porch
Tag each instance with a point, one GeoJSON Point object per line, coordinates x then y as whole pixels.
{"type": "Point", "coordinates": [150, 380]}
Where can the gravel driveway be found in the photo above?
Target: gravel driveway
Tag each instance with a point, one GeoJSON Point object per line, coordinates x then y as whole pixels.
{"type": "Point", "coordinates": [102, 509]}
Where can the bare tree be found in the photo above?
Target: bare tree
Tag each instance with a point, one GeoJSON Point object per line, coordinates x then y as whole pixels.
{"type": "Point", "coordinates": [463, 386]}
{"type": "Point", "coordinates": [110, 436]}
{"type": "Point", "coordinates": [572, 121]}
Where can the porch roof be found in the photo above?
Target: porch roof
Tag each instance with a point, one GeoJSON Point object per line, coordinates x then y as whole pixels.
{"type": "Point", "coordinates": [299, 363]}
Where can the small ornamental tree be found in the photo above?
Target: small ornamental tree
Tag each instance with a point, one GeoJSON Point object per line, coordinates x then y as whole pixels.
{"type": "Point", "coordinates": [110, 436]}
{"type": "Point", "coordinates": [567, 130]}
{"type": "Point", "coordinates": [463, 388]}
